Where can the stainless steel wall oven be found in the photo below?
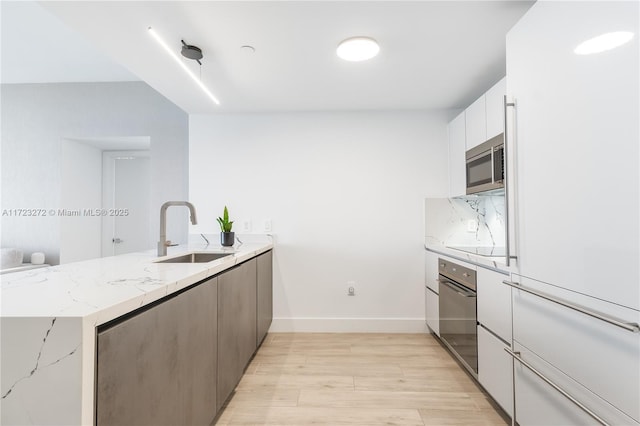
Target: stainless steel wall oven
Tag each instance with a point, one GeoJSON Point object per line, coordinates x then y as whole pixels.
{"type": "Point", "coordinates": [458, 312]}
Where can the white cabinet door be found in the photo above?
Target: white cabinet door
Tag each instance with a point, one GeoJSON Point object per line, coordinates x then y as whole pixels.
{"type": "Point", "coordinates": [431, 291]}
{"type": "Point", "coordinates": [433, 310]}
{"type": "Point", "coordinates": [495, 369]}
{"type": "Point", "coordinates": [431, 270]}
{"type": "Point", "coordinates": [457, 168]}
{"type": "Point", "coordinates": [537, 403]}
{"type": "Point", "coordinates": [476, 123]}
{"type": "Point", "coordinates": [494, 303]}
{"type": "Point", "coordinates": [577, 133]}
{"type": "Point", "coordinates": [600, 356]}
{"type": "Point", "coordinates": [495, 108]}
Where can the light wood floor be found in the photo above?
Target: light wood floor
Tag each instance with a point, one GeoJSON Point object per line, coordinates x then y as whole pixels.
{"type": "Point", "coordinates": [356, 379]}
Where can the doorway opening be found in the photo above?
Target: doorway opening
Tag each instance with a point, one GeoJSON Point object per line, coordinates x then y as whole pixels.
{"type": "Point", "coordinates": [106, 184]}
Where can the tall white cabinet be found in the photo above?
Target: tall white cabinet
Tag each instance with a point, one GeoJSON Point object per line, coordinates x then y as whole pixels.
{"type": "Point", "coordinates": [576, 138]}
{"type": "Point", "coordinates": [577, 147]}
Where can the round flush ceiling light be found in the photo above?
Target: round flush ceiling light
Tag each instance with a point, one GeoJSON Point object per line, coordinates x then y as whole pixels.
{"type": "Point", "coordinates": [358, 49]}
{"type": "Point", "coordinates": [603, 42]}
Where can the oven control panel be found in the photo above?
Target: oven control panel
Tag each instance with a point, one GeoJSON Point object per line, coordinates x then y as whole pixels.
{"type": "Point", "coordinates": [458, 273]}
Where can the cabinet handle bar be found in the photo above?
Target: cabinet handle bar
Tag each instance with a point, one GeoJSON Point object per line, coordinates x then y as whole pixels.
{"type": "Point", "coordinates": [629, 326]}
{"type": "Point", "coordinates": [505, 169]}
{"type": "Point", "coordinates": [516, 356]}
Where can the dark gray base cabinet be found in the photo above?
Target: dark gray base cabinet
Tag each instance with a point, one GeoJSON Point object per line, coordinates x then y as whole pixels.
{"type": "Point", "coordinates": [177, 361]}
{"type": "Point", "coordinates": [236, 325]}
{"type": "Point", "coordinates": [158, 367]}
{"type": "Point", "coordinates": [265, 294]}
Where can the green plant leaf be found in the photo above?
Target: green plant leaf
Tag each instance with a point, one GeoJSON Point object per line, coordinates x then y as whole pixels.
{"type": "Point", "coordinates": [225, 223]}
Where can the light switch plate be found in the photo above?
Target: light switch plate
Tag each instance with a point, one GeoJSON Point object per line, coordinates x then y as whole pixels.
{"type": "Point", "coordinates": [267, 225]}
{"type": "Point", "coordinates": [472, 225]}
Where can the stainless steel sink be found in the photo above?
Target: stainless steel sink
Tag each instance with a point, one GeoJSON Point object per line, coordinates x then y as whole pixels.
{"type": "Point", "coordinates": [195, 258]}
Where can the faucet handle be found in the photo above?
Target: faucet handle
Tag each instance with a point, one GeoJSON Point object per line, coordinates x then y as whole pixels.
{"type": "Point", "coordinates": [168, 244]}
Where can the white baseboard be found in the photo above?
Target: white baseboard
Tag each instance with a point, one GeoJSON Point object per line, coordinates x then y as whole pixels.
{"type": "Point", "coordinates": [348, 325]}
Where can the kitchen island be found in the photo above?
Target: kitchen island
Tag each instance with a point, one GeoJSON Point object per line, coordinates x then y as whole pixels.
{"type": "Point", "coordinates": [50, 317]}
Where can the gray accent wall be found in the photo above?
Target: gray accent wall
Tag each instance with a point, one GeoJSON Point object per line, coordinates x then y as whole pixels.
{"type": "Point", "coordinates": [36, 118]}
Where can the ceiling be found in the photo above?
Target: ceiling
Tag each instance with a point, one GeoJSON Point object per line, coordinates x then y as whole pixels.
{"type": "Point", "coordinates": [434, 54]}
{"type": "Point", "coordinates": [38, 48]}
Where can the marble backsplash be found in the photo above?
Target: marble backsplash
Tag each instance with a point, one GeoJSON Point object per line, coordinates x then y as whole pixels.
{"type": "Point", "coordinates": [470, 221]}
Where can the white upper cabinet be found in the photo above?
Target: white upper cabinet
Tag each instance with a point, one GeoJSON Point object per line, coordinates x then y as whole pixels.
{"type": "Point", "coordinates": [457, 169]}
{"type": "Point", "coordinates": [481, 121]}
{"type": "Point", "coordinates": [494, 101]}
{"type": "Point", "coordinates": [577, 148]}
{"type": "Point", "coordinates": [476, 122]}
{"type": "Point", "coordinates": [485, 117]}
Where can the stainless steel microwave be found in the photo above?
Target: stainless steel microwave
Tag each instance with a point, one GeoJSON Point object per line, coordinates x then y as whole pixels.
{"type": "Point", "coordinates": [485, 166]}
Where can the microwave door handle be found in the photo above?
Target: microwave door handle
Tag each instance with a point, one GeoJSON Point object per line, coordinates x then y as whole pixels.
{"type": "Point", "coordinates": [492, 162]}
{"type": "Point", "coordinates": [496, 150]}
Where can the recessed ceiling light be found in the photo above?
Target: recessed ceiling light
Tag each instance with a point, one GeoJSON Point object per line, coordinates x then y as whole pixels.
{"type": "Point", "coordinates": [358, 49]}
{"type": "Point", "coordinates": [603, 42]}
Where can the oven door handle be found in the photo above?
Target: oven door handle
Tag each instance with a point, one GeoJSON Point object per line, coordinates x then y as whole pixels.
{"type": "Point", "coordinates": [457, 289]}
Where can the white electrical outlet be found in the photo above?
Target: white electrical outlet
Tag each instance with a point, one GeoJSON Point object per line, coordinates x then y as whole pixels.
{"type": "Point", "coordinates": [472, 225]}
{"type": "Point", "coordinates": [246, 226]}
{"type": "Point", "coordinates": [351, 288]}
{"type": "Point", "coordinates": [267, 225]}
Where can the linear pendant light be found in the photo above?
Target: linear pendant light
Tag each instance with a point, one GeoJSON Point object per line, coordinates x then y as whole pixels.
{"type": "Point", "coordinates": [186, 69]}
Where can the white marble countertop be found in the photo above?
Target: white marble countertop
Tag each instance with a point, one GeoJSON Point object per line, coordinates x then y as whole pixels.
{"type": "Point", "coordinates": [497, 263]}
{"type": "Point", "coordinates": [100, 290]}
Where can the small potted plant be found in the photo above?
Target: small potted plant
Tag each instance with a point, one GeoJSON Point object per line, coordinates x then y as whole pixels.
{"type": "Point", "coordinates": [227, 238]}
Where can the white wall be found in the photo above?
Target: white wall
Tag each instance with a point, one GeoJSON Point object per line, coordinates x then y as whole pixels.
{"type": "Point", "coordinates": [37, 117]}
{"type": "Point", "coordinates": [345, 194]}
{"type": "Point", "coordinates": [80, 176]}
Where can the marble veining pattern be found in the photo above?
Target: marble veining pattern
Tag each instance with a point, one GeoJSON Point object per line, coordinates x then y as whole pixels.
{"type": "Point", "coordinates": [41, 380]}
{"type": "Point", "coordinates": [35, 368]}
{"type": "Point", "coordinates": [447, 225]}
{"type": "Point", "coordinates": [447, 220]}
